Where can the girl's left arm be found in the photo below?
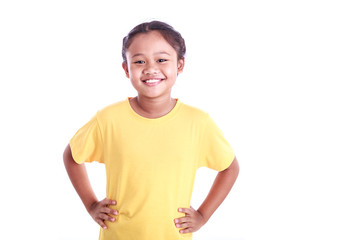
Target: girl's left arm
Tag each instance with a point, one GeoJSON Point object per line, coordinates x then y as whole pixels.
{"type": "Point", "coordinates": [195, 219]}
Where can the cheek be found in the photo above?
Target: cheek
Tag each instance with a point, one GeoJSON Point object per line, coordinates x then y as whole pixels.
{"type": "Point", "coordinates": [171, 71]}
{"type": "Point", "coordinates": [134, 72]}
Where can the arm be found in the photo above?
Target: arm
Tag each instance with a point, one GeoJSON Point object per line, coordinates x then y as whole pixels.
{"type": "Point", "coordinates": [98, 210]}
{"type": "Point", "coordinates": [222, 185]}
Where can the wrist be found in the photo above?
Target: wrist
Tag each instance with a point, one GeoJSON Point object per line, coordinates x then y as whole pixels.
{"type": "Point", "coordinates": [90, 205]}
{"type": "Point", "coordinates": [204, 216]}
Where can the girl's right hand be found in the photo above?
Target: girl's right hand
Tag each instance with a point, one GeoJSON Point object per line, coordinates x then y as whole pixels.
{"type": "Point", "coordinates": [101, 212]}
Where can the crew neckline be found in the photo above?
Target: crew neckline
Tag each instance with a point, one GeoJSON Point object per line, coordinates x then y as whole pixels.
{"type": "Point", "coordinates": [167, 116]}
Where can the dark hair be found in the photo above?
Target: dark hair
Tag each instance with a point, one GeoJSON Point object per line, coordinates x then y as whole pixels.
{"type": "Point", "coordinates": [173, 37]}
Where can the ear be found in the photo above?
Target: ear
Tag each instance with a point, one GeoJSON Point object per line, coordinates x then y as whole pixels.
{"type": "Point", "coordinates": [126, 69]}
{"type": "Point", "coordinates": [180, 65]}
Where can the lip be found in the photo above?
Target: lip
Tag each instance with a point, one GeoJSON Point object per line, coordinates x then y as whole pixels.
{"type": "Point", "coordinates": [152, 81]}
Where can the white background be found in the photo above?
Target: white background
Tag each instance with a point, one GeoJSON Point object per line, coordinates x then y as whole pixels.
{"type": "Point", "coordinates": [281, 79]}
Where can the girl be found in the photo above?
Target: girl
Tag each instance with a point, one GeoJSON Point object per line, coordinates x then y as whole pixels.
{"type": "Point", "coordinates": [151, 145]}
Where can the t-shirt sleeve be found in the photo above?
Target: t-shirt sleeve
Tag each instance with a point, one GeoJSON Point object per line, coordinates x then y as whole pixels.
{"type": "Point", "coordinates": [215, 151]}
{"type": "Point", "coordinates": [87, 145]}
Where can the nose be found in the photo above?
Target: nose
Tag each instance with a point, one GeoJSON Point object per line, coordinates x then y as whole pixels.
{"type": "Point", "coordinates": [150, 68]}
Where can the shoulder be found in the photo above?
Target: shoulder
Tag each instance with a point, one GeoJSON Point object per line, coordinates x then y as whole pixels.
{"type": "Point", "coordinates": [194, 113]}
{"type": "Point", "coordinates": [112, 110]}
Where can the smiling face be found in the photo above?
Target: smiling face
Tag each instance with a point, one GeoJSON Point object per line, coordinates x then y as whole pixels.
{"type": "Point", "coordinates": [152, 65]}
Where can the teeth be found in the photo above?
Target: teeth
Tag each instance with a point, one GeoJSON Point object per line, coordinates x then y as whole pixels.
{"type": "Point", "coordinates": [152, 80]}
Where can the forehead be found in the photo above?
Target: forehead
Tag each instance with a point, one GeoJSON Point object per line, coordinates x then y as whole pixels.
{"type": "Point", "coordinates": [149, 43]}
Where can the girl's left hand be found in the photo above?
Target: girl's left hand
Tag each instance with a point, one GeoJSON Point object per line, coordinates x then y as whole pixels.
{"type": "Point", "coordinates": [192, 221]}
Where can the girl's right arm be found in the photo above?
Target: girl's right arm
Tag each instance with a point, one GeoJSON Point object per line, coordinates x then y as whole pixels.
{"type": "Point", "coordinates": [98, 210]}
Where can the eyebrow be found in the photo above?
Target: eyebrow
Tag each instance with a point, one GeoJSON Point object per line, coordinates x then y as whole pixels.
{"type": "Point", "coordinates": [157, 53]}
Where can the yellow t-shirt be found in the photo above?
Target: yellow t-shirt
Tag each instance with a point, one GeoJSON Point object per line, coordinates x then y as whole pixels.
{"type": "Point", "coordinates": [150, 165]}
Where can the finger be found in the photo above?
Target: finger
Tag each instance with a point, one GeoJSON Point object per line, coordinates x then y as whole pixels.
{"type": "Point", "coordinates": [186, 210]}
{"type": "Point", "coordinates": [106, 217]}
{"type": "Point", "coordinates": [108, 211]}
{"type": "Point", "coordinates": [183, 225]}
{"type": "Point", "coordinates": [101, 223]}
{"type": "Point", "coordinates": [107, 201]}
{"type": "Point", "coordinates": [186, 230]}
{"type": "Point", "coordinates": [182, 220]}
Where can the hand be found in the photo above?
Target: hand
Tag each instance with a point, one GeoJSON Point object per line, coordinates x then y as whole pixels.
{"type": "Point", "coordinates": [192, 221]}
{"type": "Point", "coordinates": [100, 212]}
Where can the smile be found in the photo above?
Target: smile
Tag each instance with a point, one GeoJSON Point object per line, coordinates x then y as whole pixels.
{"type": "Point", "coordinates": [152, 82]}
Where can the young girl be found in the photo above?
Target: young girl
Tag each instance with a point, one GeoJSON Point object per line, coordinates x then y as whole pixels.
{"type": "Point", "coordinates": [151, 145]}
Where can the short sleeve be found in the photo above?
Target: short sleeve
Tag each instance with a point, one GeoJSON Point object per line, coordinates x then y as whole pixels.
{"type": "Point", "coordinates": [215, 151]}
{"type": "Point", "coordinates": [87, 145]}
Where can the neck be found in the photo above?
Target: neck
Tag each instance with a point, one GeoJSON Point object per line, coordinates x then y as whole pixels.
{"type": "Point", "coordinates": [152, 108]}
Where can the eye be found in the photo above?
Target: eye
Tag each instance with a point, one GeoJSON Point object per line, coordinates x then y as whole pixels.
{"type": "Point", "coordinates": [162, 60]}
{"type": "Point", "coordinates": [139, 62]}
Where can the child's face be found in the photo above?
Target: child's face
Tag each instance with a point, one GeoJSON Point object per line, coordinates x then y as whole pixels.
{"type": "Point", "coordinates": [152, 65]}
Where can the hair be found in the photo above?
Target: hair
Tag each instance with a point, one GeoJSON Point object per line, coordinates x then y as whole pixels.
{"type": "Point", "coordinates": [172, 36]}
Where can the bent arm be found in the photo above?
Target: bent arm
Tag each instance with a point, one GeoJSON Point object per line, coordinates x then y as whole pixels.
{"type": "Point", "coordinates": [79, 178]}
{"type": "Point", "coordinates": [219, 190]}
